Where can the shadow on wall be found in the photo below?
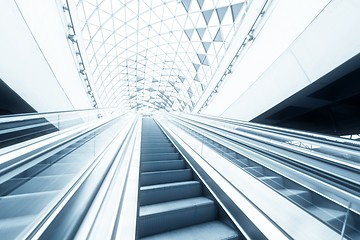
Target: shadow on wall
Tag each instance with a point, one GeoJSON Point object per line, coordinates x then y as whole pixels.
{"type": "Point", "coordinates": [22, 130]}
{"type": "Point", "coordinates": [330, 105]}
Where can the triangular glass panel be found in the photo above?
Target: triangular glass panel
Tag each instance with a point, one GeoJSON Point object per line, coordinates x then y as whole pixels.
{"type": "Point", "coordinates": [205, 61]}
{"type": "Point", "coordinates": [186, 4]}
{"type": "Point", "coordinates": [190, 92]}
{"type": "Point", "coordinates": [235, 10]}
{"type": "Point", "coordinates": [196, 78]}
{"type": "Point", "coordinates": [201, 3]}
{"type": "Point", "coordinates": [221, 13]}
{"type": "Point", "coordinates": [218, 36]}
{"type": "Point", "coordinates": [196, 66]}
{"type": "Point", "coordinates": [189, 33]}
{"type": "Point", "coordinates": [203, 87]}
{"type": "Point", "coordinates": [207, 15]}
{"type": "Point", "coordinates": [201, 57]}
{"type": "Point", "coordinates": [182, 79]}
{"type": "Point", "coordinates": [201, 32]}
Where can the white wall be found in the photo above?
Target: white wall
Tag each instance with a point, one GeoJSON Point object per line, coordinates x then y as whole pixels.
{"type": "Point", "coordinates": [36, 60]}
{"type": "Point", "coordinates": [301, 41]}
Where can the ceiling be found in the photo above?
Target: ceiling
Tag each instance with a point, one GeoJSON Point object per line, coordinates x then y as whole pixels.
{"type": "Point", "coordinates": [158, 54]}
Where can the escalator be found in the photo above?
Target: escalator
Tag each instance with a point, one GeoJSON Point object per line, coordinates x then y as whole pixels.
{"type": "Point", "coordinates": [174, 204]}
{"type": "Point", "coordinates": [32, 191]}
{"type": "Point", "coordinates": [321, 207]}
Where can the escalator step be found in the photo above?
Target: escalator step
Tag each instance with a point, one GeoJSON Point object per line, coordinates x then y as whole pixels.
{"type": "Point", "coordinates": [214, 230]}
{"type": "Point", "coordinates": [167, 216]}
{"type": "Point", "coordinates": [162, 165]}
{"type": "Point", "coordinates": [154, 144]}
{"type": "Point", "coordinates": [160, 156]}
{"type": "Point", "coordinates": [150, 178]}
{"type": "Point", "coordinates": [169, 192]}
{"type": "Point", "coordinates": [158, 150]}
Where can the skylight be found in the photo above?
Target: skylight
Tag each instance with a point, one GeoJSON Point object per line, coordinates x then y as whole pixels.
{"type": "Point", "coordinates": [158, 54]}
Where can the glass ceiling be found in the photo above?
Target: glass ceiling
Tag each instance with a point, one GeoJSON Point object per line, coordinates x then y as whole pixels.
{"type": "Point", "coordinates": [158, 54]}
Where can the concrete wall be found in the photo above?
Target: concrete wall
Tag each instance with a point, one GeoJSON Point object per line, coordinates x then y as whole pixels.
{"type": "Point", "coordinates": [36, 59]}
{"type": "Point", "coordinates": [301, 41]}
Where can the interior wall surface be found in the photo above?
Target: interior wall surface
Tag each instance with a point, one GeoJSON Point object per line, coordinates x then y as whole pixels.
{"type": "Point", "coordinates": [300, 42]}
{"type": "Point", "coordinates": [36, 59]}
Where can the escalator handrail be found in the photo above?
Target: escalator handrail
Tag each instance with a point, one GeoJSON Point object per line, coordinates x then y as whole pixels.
{"type": "Point", "coordinates": [50, 219]}
{"type": "Point", "coordinates": [237, 180]}
{"type": "Point", "coordinates": [310, 136]}
{"type": "Point", "coordinates": [319, 155]}
{"type": "Point", "coordinates": [355, 206]}
{"type": "Point", "coordinates": [15, 158]}
{"type": "Point", "coordinates": [26, 116]}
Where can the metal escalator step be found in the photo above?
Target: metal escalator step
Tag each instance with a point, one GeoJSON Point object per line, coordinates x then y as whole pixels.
{"type": "Point", "coordinates": [167, 216]}
{"type": "Point", "coordinates": [158, 150]}
{"type": "Point", "coordinates": [153, 144]}
{"type": "Point", "coordinates": [160, 156]}
{"type": "Point", "coordinates": [214, 230]}
{"type": "Point", "coordinates": [150, 139]}
{"type": "Point", "coordinates": [154, 135]}
{"type": "Point", "coordinates": [169, 192]}
{"type": "Point", "coordinates": [162, 165]}
{"type": "Point", "coordinates": [150, 178]}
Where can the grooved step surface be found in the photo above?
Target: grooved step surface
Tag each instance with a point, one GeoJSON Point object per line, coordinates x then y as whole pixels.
{"type": "Point", "coordinates": [169, 192]}
{"type": "Point", "coordinates": [162, 165]}
{"type": "Point", "coordinates": [172, 205]}
{"type": "Point", "coordinates": [171, 215]}
{"type": "Point", "coordinates": [154, 144]}
{"type": "Point", "coordinates": [214, 230]}
{"type": "Point", "coordinates": [160, 156]}
{"type": "Point", "coordinates": [159, 177]}
{"type": "Point", "coordinates": [158, 150]}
